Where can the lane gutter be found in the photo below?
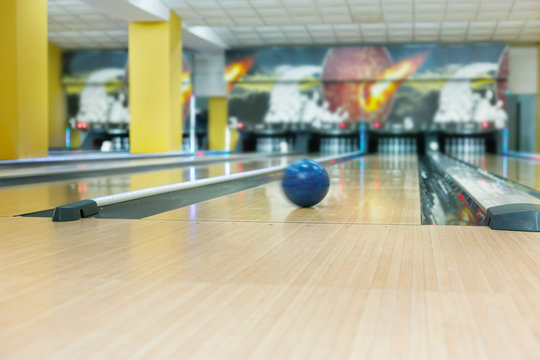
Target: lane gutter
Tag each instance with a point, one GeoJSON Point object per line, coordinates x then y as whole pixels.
{"type": "Point", "coordinates": [41, 175]}
{"type": "Point", "coordinates": [507, 206]}
{"type": "Point", "coordinates": [91, 207]}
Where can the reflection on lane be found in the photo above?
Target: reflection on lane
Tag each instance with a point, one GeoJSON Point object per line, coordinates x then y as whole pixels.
{"type": "Point", "coordinates": [520, 170]}
{"type": "Point", "coordinates": [375, 189]}
{"type": "Point", "coordinates": [39, 196]}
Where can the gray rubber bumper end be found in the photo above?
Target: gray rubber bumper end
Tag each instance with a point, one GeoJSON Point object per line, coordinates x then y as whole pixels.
{"type": "Point", "coordinates": [518, 217]}
{"type": "Point", "coordinates": [75, 211]}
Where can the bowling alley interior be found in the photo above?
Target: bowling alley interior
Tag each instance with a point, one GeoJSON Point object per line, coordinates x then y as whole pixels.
{"type": "Point", "coordinates": [269, 179]}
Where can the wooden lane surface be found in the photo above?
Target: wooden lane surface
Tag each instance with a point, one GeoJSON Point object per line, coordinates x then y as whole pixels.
{"type": "Point", "coordinates": [21, 199]}
{"type": "Point", "coordinates": [31, 170]}
{"type": "Point", "coordinates": [379, 189]}
{"type": "Point", "coordinates": [151, 289]}
{"type": "Point", "coordinates": [523, 171]}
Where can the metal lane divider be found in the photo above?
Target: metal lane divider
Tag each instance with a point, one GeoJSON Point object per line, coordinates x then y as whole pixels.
{"type": "Point", "coordinates": [90, 207]}
{"type": "Point", "coordinates": [523, 155]}
{"type": "Point", "coordinates": [123, 167]}
{"type": "Point", "coordinates": [92, 157]}
{"type": "Point", "coordinates": [507, 207]}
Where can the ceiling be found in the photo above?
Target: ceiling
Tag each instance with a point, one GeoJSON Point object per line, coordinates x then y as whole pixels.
{"type": "Point", "coordinates": [74, 24]}
{"type": "Point", "coordinates": [241, 23]}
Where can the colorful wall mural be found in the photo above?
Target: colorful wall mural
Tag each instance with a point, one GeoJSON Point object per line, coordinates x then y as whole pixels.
{"type": "Point", "coordinates": [96, 85]}
{"type": "Point", "coordinates": [415, 86]}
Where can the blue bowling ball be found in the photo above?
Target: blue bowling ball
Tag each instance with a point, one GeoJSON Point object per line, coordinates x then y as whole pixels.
{"type": "Point", "coordinates": [305, 182]}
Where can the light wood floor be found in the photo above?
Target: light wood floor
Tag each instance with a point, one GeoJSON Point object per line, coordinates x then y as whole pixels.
{"type": "Point", "coordinates": [236, 290]}
{"type": "Point", "coordinates": [522, 171]}
{"type": "Point", "coordinates": [379, 189]}
{"type": "Point", "coordinates": [288, 284]}
{"type": "Point", "coordinates": [22, 199]}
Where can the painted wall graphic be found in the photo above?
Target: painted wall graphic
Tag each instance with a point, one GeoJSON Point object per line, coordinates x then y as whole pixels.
{"type": "Point", "coordinates": [187, 85]}
{"type": "Point", "coordinates": [415, 86]}
{"type": "Point", "coordinates": [96, 85]}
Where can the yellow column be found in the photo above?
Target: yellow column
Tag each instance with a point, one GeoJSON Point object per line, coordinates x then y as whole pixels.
{"type": "Point", "coordinates": [57, 100]}
{"type": "Point", "coordinates": [155, 68]}
{"type": "Point", "coordinates": [217, 122]}
{"type": "Point", "coordinates": [23, 79]}
{"type": "Point", "coordinates": [234, 139]}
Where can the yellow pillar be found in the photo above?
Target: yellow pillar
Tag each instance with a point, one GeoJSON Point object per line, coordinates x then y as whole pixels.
{"type": "Point", "coordinates": [155, 68]}
{"type": "Point", "coordinates": [234, 139]}
{"type": "Point", "coordinates": [23, 79]}
{"type": "Point", "coordinates": [57, 100]}
{"type": "Point", "coordinates": [217, 122]}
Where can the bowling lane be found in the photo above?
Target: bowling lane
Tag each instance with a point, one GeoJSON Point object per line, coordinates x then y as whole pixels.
{"type": "Point", "coordinates": [70, 157]}
{"type": "Point", "coordinates": [376, 189]}
{"type": "Point", "coordinates": [136, 162]}
{"type": "Point", "coordinates": [79, 165]}
{"type": "Point", "coordinates": [27, 198]}
{"type": "Point", "coordinates": [523, 171]}
{"type": "Point", "coordinates": [217, 290]}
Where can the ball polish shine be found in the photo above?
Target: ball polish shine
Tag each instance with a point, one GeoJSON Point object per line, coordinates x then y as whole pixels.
{"type": "Point", "coordinates": [305, 182]}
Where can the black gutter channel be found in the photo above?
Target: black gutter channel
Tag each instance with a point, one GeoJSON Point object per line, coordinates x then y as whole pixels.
{"type": "Point", "coordinates": [157, 204]}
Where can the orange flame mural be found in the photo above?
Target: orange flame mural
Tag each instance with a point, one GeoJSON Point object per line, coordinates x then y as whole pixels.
{"type": "Point", "coordinates": [186, 88]}
{"type": "Point", "coordinates": [234, 71]}
{"type": "Point", "coordinates": [372, 95]}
